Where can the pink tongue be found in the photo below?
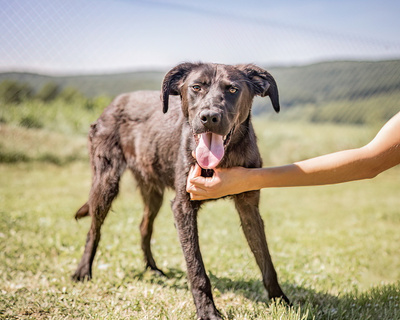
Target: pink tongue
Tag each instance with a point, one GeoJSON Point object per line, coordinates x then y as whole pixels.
{"type": "Point", "coordinates": [210, 150]}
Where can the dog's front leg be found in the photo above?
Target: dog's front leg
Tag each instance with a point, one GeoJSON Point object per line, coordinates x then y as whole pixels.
{"type": "Point", "coordinates": [253, 228]}
{"type": "Point", "coordinates": [185, 213]}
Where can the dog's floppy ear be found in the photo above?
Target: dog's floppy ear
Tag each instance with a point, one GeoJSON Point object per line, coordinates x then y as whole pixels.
{"type": "Point", "coordinates": [263, 83]}
{"type": "Point", "coordinates": [173, 81]}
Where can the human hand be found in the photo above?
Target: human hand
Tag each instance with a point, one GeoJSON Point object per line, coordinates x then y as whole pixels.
{"type": "Point", "coordinates": [224, 182]}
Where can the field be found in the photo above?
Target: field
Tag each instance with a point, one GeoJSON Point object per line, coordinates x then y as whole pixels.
{"type": "Point", "coordinates": [335, 248]}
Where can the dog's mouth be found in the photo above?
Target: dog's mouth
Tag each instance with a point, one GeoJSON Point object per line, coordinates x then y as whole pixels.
{"type": "Point", "coordinates": [210, 148]}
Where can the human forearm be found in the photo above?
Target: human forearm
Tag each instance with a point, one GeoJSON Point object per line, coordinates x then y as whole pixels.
{"type": "Point", "coordinates": [337, 167]}
{"type": "Point", "coordinates": [343, 166]}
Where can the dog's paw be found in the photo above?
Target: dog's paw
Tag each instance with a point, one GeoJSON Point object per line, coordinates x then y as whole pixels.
{"type": "Point", "coordinates": [282, 300]}
{"type": "Point", "coordinates": [212, 314]}
{"type": "Point", "coordinates": [155, 271]}
{"type": "Point", "coordinates": [82, 274]}
{"type": "Point", "coordinates": [159, 273]}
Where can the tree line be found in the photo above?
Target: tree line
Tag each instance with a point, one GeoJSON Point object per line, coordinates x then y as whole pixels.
{"type": "Point", "coordinates": [15, 92]}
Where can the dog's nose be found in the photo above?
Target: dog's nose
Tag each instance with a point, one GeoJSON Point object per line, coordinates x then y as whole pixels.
{"type": "Point", "coordinates": [208, 117]}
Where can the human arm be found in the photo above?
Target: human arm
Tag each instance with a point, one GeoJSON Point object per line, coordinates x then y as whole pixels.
{"type": "Point", "coordinates": [382, 153]}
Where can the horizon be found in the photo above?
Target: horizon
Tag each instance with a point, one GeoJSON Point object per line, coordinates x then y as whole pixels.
{"type": "Point", "coordinates": [165, 69]}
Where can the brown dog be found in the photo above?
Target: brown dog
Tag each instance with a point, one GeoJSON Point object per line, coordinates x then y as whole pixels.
{"type": "Point", "coordinates": [212, 118]}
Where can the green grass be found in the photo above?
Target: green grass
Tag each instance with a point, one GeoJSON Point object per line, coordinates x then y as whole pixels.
{"type": "Point", "coordinates": [19, 144]}
{"type": "Point", "coordinates": [335, 248]}
{"type": "Point", "coordinates": [57, 116]}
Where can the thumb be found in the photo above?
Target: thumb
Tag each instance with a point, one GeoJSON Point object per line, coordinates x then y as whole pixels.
{"type": "Point", "coordinates": [194, 172]}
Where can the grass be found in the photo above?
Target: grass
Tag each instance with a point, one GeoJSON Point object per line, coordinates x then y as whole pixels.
{"type": "Point", "coordinates": [335, 248]}
{"type": "Point", "coordinates": [68, 118]}
{"type": "Point", "coordinates": [19, 144]}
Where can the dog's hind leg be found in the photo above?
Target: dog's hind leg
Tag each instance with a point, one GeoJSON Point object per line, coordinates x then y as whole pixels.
{"type": "Point", "coordinates": [253, 228]}
{"type": "Point", "coordinates": [108, 166]}
{"type": "Point", "coordinates": [152, 200]}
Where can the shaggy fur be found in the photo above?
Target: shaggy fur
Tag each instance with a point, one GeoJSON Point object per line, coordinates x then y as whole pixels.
{"type": "Point", "coordinates": [155, 141]}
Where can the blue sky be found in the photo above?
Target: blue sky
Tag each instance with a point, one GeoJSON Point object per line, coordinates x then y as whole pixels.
{"type": "Point", "coordinates": [85, 36]}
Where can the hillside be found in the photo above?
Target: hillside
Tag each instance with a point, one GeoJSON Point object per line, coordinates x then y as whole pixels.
{"type": "Point", "coordinates": [321, 87]}
{"type": "Point", "coordinates": [341, 92]}
{"type": "Point", "coordinates": [333, 81]}
{"type": "Point", "coordinates": [302, 84]}
{"type": "Point", "coordinates": [93, 85]}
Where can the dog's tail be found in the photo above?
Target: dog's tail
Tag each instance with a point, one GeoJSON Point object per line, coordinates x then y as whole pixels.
{"type": "Point", "coordinates": [82, 212]}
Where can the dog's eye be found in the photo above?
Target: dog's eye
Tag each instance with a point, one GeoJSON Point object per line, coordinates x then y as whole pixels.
{"type": "Point", "coordinates": [233, 90]}
{"type": "Point", "coordinates": [196, 88]}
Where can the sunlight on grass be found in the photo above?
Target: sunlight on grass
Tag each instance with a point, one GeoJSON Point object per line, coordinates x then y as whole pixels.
{"type": "Point", "coordinates": [335, 248]}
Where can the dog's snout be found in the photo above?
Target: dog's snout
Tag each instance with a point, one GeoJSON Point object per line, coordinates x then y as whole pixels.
{"type": "Point", "coordinates": [208, 117]}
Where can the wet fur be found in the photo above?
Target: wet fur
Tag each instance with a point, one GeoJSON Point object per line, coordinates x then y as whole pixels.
{"type": "Point", "coordinates": [154, 139]}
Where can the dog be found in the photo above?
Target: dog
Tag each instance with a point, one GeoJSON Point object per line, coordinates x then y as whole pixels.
{"type": "Point", "coordinates": [206, 109]}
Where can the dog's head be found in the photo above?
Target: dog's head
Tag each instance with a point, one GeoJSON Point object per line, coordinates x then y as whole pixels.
{"type": "Point", "coordinates": [216, 99]}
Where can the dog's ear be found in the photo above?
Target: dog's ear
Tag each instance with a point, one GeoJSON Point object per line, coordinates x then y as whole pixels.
{"type": "Point", "coordinates": [173, 81]}
{"type": "Point", "coordinates": [263, 83]}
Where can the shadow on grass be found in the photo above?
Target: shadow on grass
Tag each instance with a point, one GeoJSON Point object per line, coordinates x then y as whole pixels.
{"type": "Point", "coordinates": [174, 278]}
{"type": "Point", "coordinates": [378, 303]}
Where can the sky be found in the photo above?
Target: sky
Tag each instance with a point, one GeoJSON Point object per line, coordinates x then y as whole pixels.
{"type": "Point", "coordinates": [104, 36]}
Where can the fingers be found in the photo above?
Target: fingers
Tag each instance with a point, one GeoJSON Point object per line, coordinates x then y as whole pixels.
{"type": "Point", "coordinates": [194, 174]}
{"type": "Point", "coordinates": [195, 171]}
{"type": "Point", "coordinates": [199, 187]}
{"type": "Point", "coordinates": [202, 188]}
